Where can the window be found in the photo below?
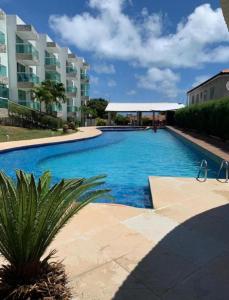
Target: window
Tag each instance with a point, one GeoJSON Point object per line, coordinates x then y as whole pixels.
{"type": "Point", "coordinates": [212, 92]}
{"type": "Point", "coordinates": [197, 98]}
{"type": "Point", "coordinates": [205, 95]}
{"type": "Point", "coordinates": [193, 100]}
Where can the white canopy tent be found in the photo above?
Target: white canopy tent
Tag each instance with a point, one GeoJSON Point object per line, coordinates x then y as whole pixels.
{"type": "Point", "coordinates": [143, 107]}
{"type": "Point", "coordinates": [139, 108]}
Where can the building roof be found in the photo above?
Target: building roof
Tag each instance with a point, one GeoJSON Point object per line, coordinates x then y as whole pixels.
{"type": "Point", "coordinates": [143, 107]}
{"type": "Point", "coordinates": [224, 72]}
{"type": "Point", "coordinates": [225, 7]}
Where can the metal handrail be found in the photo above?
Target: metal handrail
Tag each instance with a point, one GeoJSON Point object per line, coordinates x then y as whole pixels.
{"type": "Point", "coordinates": [203, 166]}
{"type": "Point", "coordinates": [224, 164]}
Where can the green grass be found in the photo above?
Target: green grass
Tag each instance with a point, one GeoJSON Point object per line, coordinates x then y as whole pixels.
{"type": "Point", "coordinates": [18, 133]}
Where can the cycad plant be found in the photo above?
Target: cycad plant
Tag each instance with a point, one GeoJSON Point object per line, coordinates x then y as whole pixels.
{"type": "Point", "coordinates": [31, 214]}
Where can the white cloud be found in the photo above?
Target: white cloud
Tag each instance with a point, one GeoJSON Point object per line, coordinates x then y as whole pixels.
{"type": "Point", "coordinates": [110, 33]}
{"type": "Point", "coordinates": [199, 79]}
{"type": "Point", "coordinates": [111, 83]}
{"type": "Point", "coordinates": [131, 92]}
{"type": "Point", "coordinates": [94, 80]}
{"type": "Point", "coordinates": [104, 68]}
{"type": "Point", "coordinates": [162, 81]}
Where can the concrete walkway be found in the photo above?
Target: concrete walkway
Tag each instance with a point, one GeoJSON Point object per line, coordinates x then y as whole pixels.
{"type": "Point", "coordinates": [83, 133]}
{"type": "Point", "coordinates": [179, 251]}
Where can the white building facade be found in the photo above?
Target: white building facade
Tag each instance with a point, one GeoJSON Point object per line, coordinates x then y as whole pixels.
{"type": "Point", "coordinates": [27, 58]}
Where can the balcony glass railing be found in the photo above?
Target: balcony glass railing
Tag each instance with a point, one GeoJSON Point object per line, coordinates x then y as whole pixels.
{"type": "Point", "coordinates": [72, 109]}
{"type": "Point", "coordinates": [27, 77]}
{"type": "Point", "coordinates": [3, 72]}
{"type": "Point", "coordinates": [71, 70]}
{"type": "Point", "coordinates": [84, 76]}
{"type": "Point", "coordinates": [71, 89]}
{"type": "Point", "coordinates": [52, 61]}
{"type": "Point", "coordinates": [27, 48]}
{"type": "Point", "coordinates": [53, 76]}
{"type": "Point", "coordinates": [2, 38]}
{"type": "Point", "coordinates": [30, 103]}
{"type": "Point", "coordinates": [4, 91]}
{"type": "Point", "coordinates": [84, 93]}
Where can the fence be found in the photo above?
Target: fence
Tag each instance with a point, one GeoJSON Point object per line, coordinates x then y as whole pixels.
{"type": "Point", "coordinates": [15, 114]}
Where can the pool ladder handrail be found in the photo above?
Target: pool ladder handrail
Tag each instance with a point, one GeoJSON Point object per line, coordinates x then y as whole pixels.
{"type": "Point", "coordinates": [203, 166]}
{"type": "Point", "coordinates": [224, 164]}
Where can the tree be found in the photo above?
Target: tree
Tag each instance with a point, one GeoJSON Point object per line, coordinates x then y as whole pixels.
{"type": "Point", "coordinates": [31, 214]}
{"type": "Point", "coordinates": [50, 92]}
{"type": "Point", "coordinates": [98, 107]}
{"type": "Point", "coordinates": [42, 94]}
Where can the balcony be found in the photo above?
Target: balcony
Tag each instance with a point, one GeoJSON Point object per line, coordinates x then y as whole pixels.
{"type": "Point", "coordinates": [71, 57]}
{"type": "Point", "coordinates": [4, 91]}
{"type": "Point", "coordinates": [2, 38]}
{"type": "Point", "coordinates": [27, 80]}
{"type": "Point", "coordinates": [53, 76]}
{"type": "Point", "coordinates": [27, 54]}
{"type": "Point", "coordinates": [52, 47]}
{"type": "Point", "coordinates": [84, 77]}
{"type": "Point", "coordinates": [71, 71]}
{"type": "Point", "coordinates": [52, 63]}
{"type": "Point", "coordinates": [2, 42]}
{"type": "Point", "coordinates": [27, 32]}
{"type": "Point", "coordinates": [71, 90]}
{"type": "Point", "coordinates": [72, 109]}
{"type": "Point", "coordinates": [3, 72]}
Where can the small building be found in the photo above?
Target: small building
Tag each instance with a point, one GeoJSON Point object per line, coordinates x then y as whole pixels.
{"type": "Point", "coordinates": [225, 8]}
{"type": "Point", "coordinates": [214, 88]}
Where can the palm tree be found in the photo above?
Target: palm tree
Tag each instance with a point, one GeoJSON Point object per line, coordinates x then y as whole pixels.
{"type": "Point", "coordinates": [31, 215]}
{"type": "Point", "coordinates": [57, 90]}
{"type": "Point", "coordinates": [42, 94]}
{"type": "Point", "coordinates": [50, 92]}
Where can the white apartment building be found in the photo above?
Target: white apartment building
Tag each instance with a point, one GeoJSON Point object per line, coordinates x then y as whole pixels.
{"type": "Point", "coordinates": [27, 58]}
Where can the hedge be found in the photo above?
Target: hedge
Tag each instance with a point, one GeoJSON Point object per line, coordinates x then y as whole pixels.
{"type": "Point", "coordinates": [211, 118]}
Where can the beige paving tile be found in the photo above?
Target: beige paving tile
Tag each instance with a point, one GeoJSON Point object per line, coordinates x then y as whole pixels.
{"type": "Point", "coordinates": [81, 256]}
{"type": "Point", "coordinates": [117, 240]}
{"type": "Point", "coordinates": [106, 283]}
{"type": "Point", "coordinates": [151, 225]}
{"type": "Point", "coordinates": [121, 212]}
{"type": "Point", "coordinates": [133, 258]}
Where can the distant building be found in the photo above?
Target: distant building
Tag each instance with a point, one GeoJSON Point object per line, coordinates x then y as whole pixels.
{"type": "Point", "coordinates": [27, 58]}
{"type": "Point", "coordinates": [214, 88]}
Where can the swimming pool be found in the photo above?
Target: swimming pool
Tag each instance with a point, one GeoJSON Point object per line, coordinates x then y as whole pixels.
{"type": "Point", "coordinates": [128, 158]}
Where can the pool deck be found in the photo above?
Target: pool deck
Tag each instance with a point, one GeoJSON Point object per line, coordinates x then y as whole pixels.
{"type": "Point", "coordinates": [178, 251]}
{"type": "Point", "coordinates": [83, 133]}
{"type": "Point", "coordinates": [209, 144]}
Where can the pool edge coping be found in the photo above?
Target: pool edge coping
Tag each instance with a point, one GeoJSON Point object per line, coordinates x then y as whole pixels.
{"type": "Point", "coordinates": [84, 133]}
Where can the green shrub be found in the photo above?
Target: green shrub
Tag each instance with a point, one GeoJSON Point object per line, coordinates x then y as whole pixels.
{"type": "Point", "coordinates": [211, 118]}
{"type": "Point", "coordinates": [121, 120]}
{"type": "Point", "coordinates": [51, 122]}
{"type": "Point", "coordinates": [32, 212]}
{"type": "Point", "coordinates": [101, 122]}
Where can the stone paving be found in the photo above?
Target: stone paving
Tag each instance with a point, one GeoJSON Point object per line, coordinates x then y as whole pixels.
{"type": "Point", "coordinates": [179, 251]}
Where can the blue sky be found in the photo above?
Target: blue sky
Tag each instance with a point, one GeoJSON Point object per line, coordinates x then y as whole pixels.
{"type": "Point", "coordinates": [138, 50]}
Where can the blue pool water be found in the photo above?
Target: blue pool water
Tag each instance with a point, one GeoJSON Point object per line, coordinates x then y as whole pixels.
{"type": "Point", "coordinates": [128, 158]}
